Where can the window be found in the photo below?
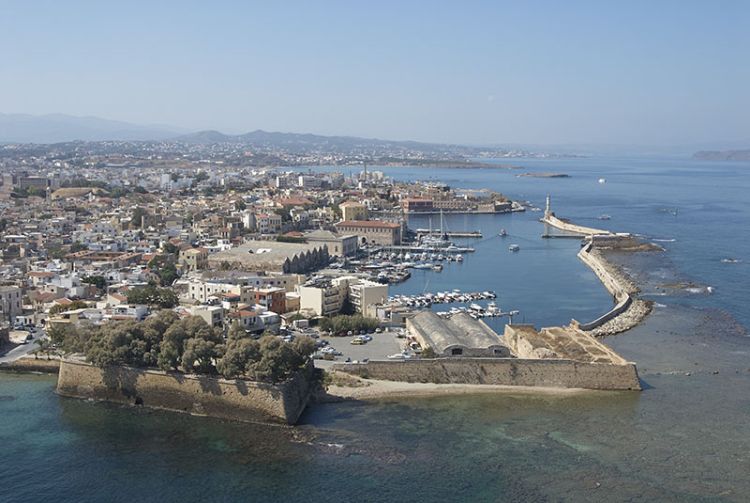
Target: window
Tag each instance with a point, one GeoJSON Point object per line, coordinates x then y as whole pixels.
{"type": "Point", "coordinates": [457, 352]}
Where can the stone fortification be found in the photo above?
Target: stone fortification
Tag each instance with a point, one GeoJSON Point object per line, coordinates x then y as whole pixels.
{"type": "Point", "coordinates": [240, 400]}
{"type": "Point", "coordinates": [501, 371]}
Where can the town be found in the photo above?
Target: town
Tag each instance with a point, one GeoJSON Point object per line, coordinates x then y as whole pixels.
{"type": "Point", "coordinates": [104, 243]}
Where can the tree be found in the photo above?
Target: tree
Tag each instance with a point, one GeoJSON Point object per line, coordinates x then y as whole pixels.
{"type": "Point", "coordinates": [59, 308]}
{"type": "Point", "coordinates": [199, 355]}
{"type": "Point", "coordinates": [138, 215]}
{"type": "Point", "coordinates": [44, 346]}
{"type": "Point", "coordinates": [279, 359]}
{"type": "Point", "coordinates": [98, 281]}
{"type": "Point", "coordinates": [76, 247]}
{"type": "Point", "coordinates": [164, 266]}
{"type": "Point", "coordinates": [236, 331]}
{"type": "Point", "coordinates": [238, 357]}
{"type": "Point", "coordinates": [153, 296]}
{"type": "Point", "coordinates": [175, 343]}
{"type": "Point", "coordinates": [240, 205]}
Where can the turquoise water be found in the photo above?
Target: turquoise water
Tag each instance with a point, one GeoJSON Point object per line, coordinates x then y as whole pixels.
{"type": "Point", "coordinates": [685, 438]}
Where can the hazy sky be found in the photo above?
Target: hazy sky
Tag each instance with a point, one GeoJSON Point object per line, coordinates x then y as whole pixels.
{"type": "Point", "coordinates": [652, 72]}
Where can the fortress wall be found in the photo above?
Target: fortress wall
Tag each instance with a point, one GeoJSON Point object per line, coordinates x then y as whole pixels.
{"type": "Point", "coordinates": [31, 364]}
{"type": "Point", "coordinates": [502, 371]}
{"type": "Point", "coordinates": [240, 400]}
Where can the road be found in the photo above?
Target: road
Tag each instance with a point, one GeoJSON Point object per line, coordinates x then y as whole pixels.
{"type": "Point", "coordinates": [23, 349]}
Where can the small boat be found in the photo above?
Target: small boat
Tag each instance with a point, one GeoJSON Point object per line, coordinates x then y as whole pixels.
{"type": "Point", "coordinates": [730, 261]}
{"type": "Point", "coordinates": [437, 267]}
{"type": "Point", "coordinates": [459, 258]}
{"type": "Point", "coordinates": [514, 248]}
{"type": "Point", "coordinates": [604, 217]}
{"type": "Point", "coordinates": [503, 233]}
{"type": "Point", "coordinates": [602, 180]}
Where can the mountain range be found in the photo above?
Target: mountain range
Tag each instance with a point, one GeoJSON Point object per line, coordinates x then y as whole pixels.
{"type": "Point", "coordinates": [57, 128]}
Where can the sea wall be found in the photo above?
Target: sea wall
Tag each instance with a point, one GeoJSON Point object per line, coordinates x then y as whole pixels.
{"type": "Point", "coordinates": [629, 310]}
{"type": "Point", "coordinates": [31, 364]}
{"type": "Point", "coordinates": [240, 400]}
{"type": "Point", "coordinates": [502, 371]}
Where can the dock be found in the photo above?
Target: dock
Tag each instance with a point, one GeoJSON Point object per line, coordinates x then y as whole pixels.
{"type": "Point", "coordinates": [450, 234]}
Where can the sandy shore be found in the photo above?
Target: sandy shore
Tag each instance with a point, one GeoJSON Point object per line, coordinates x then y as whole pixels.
{"type": "Point", "coordinates": [353, 388]}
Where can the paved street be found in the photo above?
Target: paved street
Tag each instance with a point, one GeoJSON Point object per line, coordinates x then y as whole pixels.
{"type": "Point", "coordinates": [22, 350]}
{"type": "Point", "coordinates": [378, 348]}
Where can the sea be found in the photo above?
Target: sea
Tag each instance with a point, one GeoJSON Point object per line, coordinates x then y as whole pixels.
{"type": "Point", "coordinates": [684, 438]}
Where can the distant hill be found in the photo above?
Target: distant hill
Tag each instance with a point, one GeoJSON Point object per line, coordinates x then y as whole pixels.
{"type": "Point", "coordinates": [723, 155]}
{"type": "Point", "coordinates": [299, 141]}
{"type": "Point", "coordinates": [57, 128]}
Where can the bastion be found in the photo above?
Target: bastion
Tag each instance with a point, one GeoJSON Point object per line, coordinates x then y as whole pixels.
{"type": "Point", "coordinates": [239, 400]}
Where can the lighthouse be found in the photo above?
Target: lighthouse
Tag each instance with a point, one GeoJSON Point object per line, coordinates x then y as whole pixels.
{"type": "Point", "coordinates": [547, 210]}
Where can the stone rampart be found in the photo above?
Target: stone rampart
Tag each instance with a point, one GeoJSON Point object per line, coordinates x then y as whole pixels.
{"type": "Point", "coordinates": [31, 364]}
{"type": "Point", "coordinates": [501, 371]}
{"type": "Point", "coordinates": [240, 400]}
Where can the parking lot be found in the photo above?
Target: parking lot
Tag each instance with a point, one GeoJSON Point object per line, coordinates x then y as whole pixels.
{"type": "Point", "coordinates": [381, 345]}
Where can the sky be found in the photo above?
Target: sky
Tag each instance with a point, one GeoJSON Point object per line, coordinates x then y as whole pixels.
{"type": "Point", "coordinates": [654, 72]}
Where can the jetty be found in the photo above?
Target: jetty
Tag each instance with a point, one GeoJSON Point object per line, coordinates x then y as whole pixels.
{"type": "Point", "coordinates": [450, 234]}
{"type": "Point", "coordinates": [576, 230]}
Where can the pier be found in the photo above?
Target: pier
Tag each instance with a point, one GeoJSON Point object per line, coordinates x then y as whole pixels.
{"type": "Point", "coordinates": [450, 234]}
{"type": "Point", "coordinates": [578, 230]}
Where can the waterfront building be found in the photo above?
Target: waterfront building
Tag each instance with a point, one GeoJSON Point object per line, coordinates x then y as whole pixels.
{"type": "Point", "coordinates": [461, 335]}
{"type": "Point", "coordinates": [372, 231]}
{"type": "Point", "coordinates": [338, 245]}
{"type": "Point", "coordinates": [417, 205]}
{"type": "Point", "coordinates": [273, 256]}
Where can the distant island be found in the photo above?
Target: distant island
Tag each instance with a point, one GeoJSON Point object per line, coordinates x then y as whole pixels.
{"type": "Point", "coordinates": [723, 155]}
{"type": "Point", "coordinates": [544, 175]}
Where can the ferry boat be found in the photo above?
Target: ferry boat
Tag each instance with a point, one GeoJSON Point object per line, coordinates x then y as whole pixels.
{"type": "Point", "coordinates": [514, 248]}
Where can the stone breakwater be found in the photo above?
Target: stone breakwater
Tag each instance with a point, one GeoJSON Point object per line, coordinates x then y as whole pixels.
{"type": "Point", "coordinates": [501, 371]}
{"type": "Point", "coordinates": [239, 400]}
{"type": "Point", "coordinates": [629, 310]}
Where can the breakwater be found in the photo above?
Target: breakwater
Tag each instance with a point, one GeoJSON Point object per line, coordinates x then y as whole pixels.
{"type": "Point", "coordinates": [550, 219]}
{"type": "Point", "coordinates": [501, 371]}
{"type": "Point", "coordinates": [239, 400]}
{"type": "Point", "coordinates": [628, 310]}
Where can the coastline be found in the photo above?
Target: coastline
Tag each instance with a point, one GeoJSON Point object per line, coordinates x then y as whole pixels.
{"type": "Point", "coordinates": [358, 389]}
